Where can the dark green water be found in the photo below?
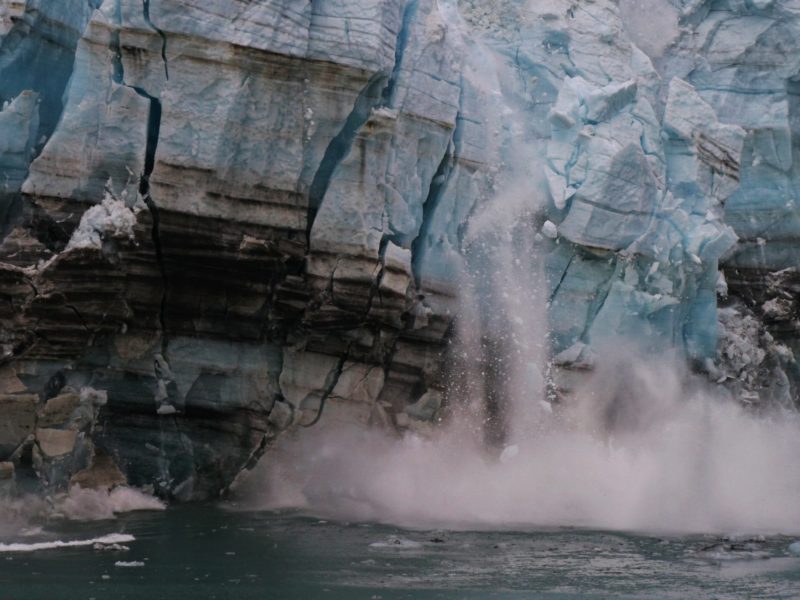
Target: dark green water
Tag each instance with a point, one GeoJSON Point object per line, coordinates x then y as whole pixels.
{"type": "Point", "coordinates": [208, 552]}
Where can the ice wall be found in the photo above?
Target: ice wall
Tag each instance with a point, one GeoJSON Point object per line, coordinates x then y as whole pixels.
{"type": "Point", "coordinates": [234, 218]}
{"type": "Point", "coordinates": [668, 143]}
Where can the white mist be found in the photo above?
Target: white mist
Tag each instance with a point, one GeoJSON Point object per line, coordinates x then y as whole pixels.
{"type": "Point", "coordinates": [640, 445]}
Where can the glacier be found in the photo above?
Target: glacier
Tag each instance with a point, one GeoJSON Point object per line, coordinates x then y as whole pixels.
{"type": "Point", "coordinates": [222, 220]}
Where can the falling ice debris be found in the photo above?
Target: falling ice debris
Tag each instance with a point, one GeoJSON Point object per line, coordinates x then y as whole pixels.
{"type": "Point", "coordinates": [550, 230]}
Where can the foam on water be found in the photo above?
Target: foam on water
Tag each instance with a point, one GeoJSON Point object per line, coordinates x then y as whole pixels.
{"type": "Point", "coordinates": [112, 538]}
{"type": "Point", "coordinates": [22, 517]}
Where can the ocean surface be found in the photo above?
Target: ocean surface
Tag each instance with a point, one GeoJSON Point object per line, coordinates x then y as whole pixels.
{"type": "Point", "coordinates": [218, 552]}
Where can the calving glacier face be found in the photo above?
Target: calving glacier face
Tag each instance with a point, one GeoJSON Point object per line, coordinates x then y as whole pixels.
{"type": "Point", "coordinates": [667, 175]}
{"type": "Point", "coordinates": [651, 193]}
{"type": "Point", "coordinates": [225, 219]}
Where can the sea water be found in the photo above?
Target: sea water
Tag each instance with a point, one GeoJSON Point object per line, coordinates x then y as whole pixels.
{"type": "Point", "coordinates": [223, 552]}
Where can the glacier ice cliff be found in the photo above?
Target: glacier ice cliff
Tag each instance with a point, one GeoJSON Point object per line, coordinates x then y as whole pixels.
{"type": "Point", "coordinates": [224, 219]}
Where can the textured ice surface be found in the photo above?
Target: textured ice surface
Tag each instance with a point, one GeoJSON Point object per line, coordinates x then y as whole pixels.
{"type": "Point", "coordinates": [319, 177]}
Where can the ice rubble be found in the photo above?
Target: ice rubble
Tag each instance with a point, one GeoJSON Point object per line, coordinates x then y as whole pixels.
{"type": "Point", "coordinates": [111, 219]}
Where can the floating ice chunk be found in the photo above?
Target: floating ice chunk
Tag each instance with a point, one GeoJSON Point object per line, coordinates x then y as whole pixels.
{"type": "Point", "coordinates": [129, 563]}
{"type": "Point", "coordinates": [550, 230]}
{"type": "Point", "coordinates": [112, 538]}
{"type": "Point", "coordinates": [794, 548]}
{"type": "Point", "coordinates": [111, 547]}
{"type": "Point", "coordinates": [166, 409]}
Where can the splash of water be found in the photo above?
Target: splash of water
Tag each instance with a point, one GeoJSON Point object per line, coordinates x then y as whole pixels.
{"type": "Point", "coordinates": [642, 444]}
{"type": "Point", "coordinates": [673, 463]}
{"type": "Point", "coordinates": [23, 515]}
